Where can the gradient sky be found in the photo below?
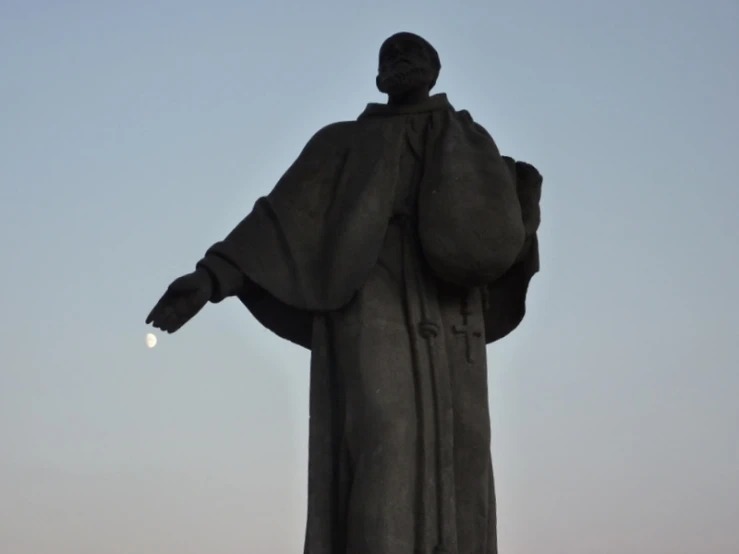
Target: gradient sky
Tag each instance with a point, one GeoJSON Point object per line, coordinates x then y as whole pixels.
{"type": "Point", "coordinates": [135, 134]}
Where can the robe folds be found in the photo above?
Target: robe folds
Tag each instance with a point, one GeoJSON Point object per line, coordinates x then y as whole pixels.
{"type": "Point", "coordinates": [394, 248]}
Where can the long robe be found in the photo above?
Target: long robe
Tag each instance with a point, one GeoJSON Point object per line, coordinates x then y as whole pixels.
{"type": "Point", "coordinates": [399, 455]}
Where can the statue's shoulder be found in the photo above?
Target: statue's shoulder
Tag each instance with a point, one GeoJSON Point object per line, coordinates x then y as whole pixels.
{"type": "Point", "coordinates": [465, 117]}
{"type": "Point", "coordinates": [329, 140]}
{"type": "Point", "coordinates": [338, 131]}
{"type": "Point", "coordinates": [346, 135]}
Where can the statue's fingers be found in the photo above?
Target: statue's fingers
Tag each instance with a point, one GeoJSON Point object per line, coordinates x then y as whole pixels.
{"type": "Point", "coordinates": [177, 325]}
{"type": "Point", "coordinates": [163, 311]}
{"type": "Point", "coordinates": [186, 308]}
{"type": "Point", "coordinates": [153, 313]}
{"type": "Point", "coordinates": [160, 322]}
{"type": "Point", "coordinates": [169, 321]}
{"type": "Point", "coordinates": [167, 325]}
{"type": "Point", "coordinates": [177, 314]}
{"type": "Point", "coordinates": [156, 312]}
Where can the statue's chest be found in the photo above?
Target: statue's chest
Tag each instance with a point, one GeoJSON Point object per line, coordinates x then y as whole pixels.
{"type": "Point", "coordinates": [410, 166]}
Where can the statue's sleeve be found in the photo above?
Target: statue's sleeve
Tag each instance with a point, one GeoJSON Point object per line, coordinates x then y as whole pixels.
{"type": "Point", "coordinates": [505, 298]}
{"type": "Point", "coordinates": [228, 279]}
{"type": "Point", "coordinates": [269, 260]}
{"type": "Point", "coordinates": [224, 261]}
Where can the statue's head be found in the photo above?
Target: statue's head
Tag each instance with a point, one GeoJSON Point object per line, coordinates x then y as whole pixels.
{"type": "Point", "coordinates": [408, 64]}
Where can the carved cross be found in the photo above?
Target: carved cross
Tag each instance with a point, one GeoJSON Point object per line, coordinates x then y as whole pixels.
{"type": "Point", "coordinates": [465, 330]}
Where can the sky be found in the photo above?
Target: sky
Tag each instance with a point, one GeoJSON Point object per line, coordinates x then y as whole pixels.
{"type": "Point", "coordinates": [135, 134]}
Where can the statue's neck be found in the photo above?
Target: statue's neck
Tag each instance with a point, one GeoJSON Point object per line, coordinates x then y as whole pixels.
{"type": "Point", "coordinates": [432, 103]}
{"type": "Point", "coordinates": [407, 99]}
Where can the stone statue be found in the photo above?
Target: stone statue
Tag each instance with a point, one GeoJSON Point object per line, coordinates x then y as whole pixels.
{"type": "Point", "coordinates": [394, 248]}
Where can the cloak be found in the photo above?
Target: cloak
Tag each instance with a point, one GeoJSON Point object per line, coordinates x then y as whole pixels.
{"type": "Point", "coordinates": [395, 248]}
{"type": "Point", "coordinates": [309, 245]}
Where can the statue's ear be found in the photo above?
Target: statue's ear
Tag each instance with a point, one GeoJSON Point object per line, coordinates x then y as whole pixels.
{"type": "Point", "coordinates": [377, 84]}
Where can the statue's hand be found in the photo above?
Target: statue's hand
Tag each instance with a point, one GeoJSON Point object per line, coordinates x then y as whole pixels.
{"type": "Point", "coordinates": [184, 298]}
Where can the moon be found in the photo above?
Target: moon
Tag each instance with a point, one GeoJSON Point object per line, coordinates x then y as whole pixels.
{"type": "Point", "coordinates": [151, 340]}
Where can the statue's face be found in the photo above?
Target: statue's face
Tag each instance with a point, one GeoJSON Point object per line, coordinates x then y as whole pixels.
{"type": "Point", "coordinates": [406, 65]}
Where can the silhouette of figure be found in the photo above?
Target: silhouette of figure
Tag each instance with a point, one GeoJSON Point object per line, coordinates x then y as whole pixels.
{"type": "Point", "coordinates": [395, 248]}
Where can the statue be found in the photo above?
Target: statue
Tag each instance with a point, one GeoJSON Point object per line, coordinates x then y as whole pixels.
{"type": "Point", "coordinates": [394, 248]}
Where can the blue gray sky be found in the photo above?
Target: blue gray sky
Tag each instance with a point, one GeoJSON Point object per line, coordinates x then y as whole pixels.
{"type": "Point", "coordinates": [134, 134]}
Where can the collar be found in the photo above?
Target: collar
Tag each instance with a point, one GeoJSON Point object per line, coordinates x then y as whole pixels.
{"type": "Point", "coordinates": [433, 103]}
